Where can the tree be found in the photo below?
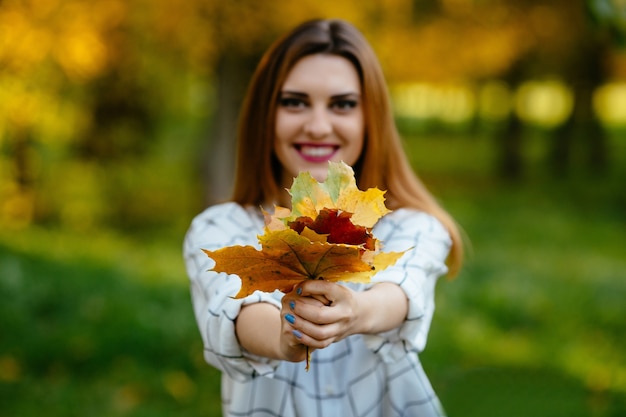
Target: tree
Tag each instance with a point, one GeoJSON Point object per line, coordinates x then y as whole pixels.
{"type": "Point", "coordinates": [87, 85]}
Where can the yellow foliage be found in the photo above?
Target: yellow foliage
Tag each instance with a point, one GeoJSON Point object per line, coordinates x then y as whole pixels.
{"type": "Point", "coordinates": [17, 206]}
{"type": "Point", "coordinates": [73, 33]}
{"type": "Point", "coordinates": [54, 53]}
{"type": "Point", "coordinates": [22, 44]}
{"type": "Point", "coordinates": [81, 53]}
{"type": "Point", "coordinates": [53, 118]}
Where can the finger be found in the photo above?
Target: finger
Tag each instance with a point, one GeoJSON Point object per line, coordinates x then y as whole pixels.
{"type": "Point", "coordinates": [312, 310]}
{"type": "Point", "coordinates": [292, 346]}
{"type": "Point", "coordinates": [296, 292]}
{"type": "Point", "coordinates": [319, 289]}
{"type": "Point", "coordinates": [319, 328]}
{"type": "Point", "coordinates": [290, 301]}
{"type": "Point", "coordinates": [314, 339]}
{"type": "Point", "coordinates": [322, 299]}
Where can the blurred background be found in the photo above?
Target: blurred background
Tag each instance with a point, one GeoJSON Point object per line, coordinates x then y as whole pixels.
{"type": "Point", "coordinates": [117, 121]}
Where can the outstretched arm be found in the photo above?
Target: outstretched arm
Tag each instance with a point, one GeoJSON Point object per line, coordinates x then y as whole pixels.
{"type": "Point", "coordinates": [262, 330]}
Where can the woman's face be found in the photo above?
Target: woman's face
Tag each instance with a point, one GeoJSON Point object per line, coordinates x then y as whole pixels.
{"type": "Point", "coordinates": [319, 117]}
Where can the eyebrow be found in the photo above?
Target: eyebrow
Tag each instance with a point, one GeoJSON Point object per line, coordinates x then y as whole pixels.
{"type": "Point", "coordinates": [293, 93]}
{"type": "Point", "coordinates": [333, 97]}
{"type": "Point", "coordinates": [346, 96]}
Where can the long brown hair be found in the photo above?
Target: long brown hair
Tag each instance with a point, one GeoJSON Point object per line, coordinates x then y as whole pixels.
{"type": "Point", "coordinates": [383, 163]}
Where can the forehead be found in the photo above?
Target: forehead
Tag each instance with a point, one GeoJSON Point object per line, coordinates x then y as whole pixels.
{"type": "Point", "coordinates": [323, 71]}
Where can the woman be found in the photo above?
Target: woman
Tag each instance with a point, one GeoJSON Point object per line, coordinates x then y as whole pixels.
{"type": "Point", "coordinates": [319, 95]}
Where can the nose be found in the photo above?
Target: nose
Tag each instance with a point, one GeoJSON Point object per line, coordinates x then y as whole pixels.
{"type": "Point", "coordinates": [319, 125]}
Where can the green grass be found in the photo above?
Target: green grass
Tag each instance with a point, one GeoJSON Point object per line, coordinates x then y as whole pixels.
{"type": "Point", "coordinates": [534, 325]}
{"type": "Point", "coordinates": [82, 336]}
{"type": "Point", "coordinates": [101, 323]}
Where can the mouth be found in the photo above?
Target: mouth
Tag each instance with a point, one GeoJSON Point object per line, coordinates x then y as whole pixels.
{"type": "Point", "coordinates": [316, 153]}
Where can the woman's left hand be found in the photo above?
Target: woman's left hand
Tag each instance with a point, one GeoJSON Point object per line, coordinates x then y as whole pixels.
{"type": "Point", "coordinates": [319, 325]}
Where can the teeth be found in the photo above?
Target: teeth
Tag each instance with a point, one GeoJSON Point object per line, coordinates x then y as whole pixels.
{"type": "Point", "coordinates": [317, 151]}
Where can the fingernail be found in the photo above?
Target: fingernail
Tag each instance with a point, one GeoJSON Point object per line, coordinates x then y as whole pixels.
{"type": "Point", "coordinates": [290, 318]}
{"type": "Point", "coordinates": [299, 291]}
{"type": "Point", "coordinates": [297, 334]}
{"type": "Point", "coordinates": [292, 304]}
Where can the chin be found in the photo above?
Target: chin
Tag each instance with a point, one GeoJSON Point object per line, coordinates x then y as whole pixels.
{"type": "Point", "coordinates": [318, 172]}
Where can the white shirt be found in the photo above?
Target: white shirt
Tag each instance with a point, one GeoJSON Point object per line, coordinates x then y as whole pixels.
{"type": "Point", "coordinates": [361, 375]}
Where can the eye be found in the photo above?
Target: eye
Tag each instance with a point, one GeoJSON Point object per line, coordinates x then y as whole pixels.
{"type": "Point", "coordinates": [291, 103]}
{"type": "Point", "coordinates": [344, 105]}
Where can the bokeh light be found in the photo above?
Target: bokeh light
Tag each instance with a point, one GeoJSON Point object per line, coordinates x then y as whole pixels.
{"type": "Point", "coordinates": [545, 103]}
{"type": "Point", "coordinates": [609, 102]}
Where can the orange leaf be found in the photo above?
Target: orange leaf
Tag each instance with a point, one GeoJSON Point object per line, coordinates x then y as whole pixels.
{"type": "Point", "coordinates": [286, 259]}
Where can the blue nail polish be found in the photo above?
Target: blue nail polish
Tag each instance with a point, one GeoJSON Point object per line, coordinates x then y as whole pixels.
{"type": "Point", "coordinates": [299, 291]}
{"type": "Point", "coordinates": [292, 304]}
{"type": "Point", "coordinates": [290, 318]}
{"type": "Point", "coordinates": [297, 334]}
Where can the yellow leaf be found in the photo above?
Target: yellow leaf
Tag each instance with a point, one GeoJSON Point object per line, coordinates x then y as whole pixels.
{"type": "Point", "coordinates": [339, 191]}
{"type": "Point", "coordinates": [367, 206]}
{"type": "Point", "coordinates": [308, 196]}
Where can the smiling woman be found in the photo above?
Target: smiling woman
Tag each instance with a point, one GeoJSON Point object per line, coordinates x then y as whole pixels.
{"type": "Point", "coordinates": [319, 96]}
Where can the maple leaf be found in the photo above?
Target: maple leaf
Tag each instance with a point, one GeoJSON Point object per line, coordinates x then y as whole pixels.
{"type": "Point", "coordinates": [286, 259]}
{"type": "Point", "coordinates": [337, 227]}
{"type": "Point", "coordinates": [339, 191]}
{"type": "Point", "coordinates": [326, 235]}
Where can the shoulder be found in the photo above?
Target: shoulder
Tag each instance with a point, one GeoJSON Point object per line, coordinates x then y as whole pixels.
{"type": "Point", "coordinates": [422, 236]}
{"type": "Point", "coordinates": [408, 220]}
{"type": "Point", "coordinates": [229, 220]}
{"type": "Point", "coordinates": [228, 213]}
{"type": "Point", "coordinates": [410, 228]}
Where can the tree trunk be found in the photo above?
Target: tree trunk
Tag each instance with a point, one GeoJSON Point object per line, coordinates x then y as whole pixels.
{"type": "Point", "coordinates": [218, 164]}
{"type": "Point", "coordinates": [559, 156]}
{"type": "Point", "coordinates": [585, 73]}
{"type": "Point", "coordinates": [510, 162]}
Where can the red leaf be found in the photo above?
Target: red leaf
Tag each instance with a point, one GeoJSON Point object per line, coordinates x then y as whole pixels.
{"type": "Point", "coordinates": [336, 224]}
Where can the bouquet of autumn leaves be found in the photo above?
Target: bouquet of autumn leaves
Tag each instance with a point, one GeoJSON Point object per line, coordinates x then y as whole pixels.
{"type": "Point", "coordinates": [327, 235]}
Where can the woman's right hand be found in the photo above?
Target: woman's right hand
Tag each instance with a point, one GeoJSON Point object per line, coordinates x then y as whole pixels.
{"type": "Point", "coordinates": [265, 331]}
{"type": "Point", "coordinates": [291, 345]}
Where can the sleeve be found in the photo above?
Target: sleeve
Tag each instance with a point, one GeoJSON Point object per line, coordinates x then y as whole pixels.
{"type": "Point", "coordinates": [211, 292]}
{"type": "Point", "coordinates": [427, 244]}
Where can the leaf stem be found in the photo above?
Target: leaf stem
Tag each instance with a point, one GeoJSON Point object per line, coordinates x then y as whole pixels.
{"type": "Point", "coordinates": [308, 359]}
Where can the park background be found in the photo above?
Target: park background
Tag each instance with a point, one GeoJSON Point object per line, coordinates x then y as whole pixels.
{"type": "Point", "coordinates": [116, 127]}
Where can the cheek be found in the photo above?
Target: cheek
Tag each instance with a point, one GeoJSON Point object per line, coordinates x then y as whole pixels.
{"type": "Point", "coordinates": [286, 126]}
{"type": "Point", "coordinates": [354, 131]}
{"type": "Point", "coordinates": [357, 140]}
